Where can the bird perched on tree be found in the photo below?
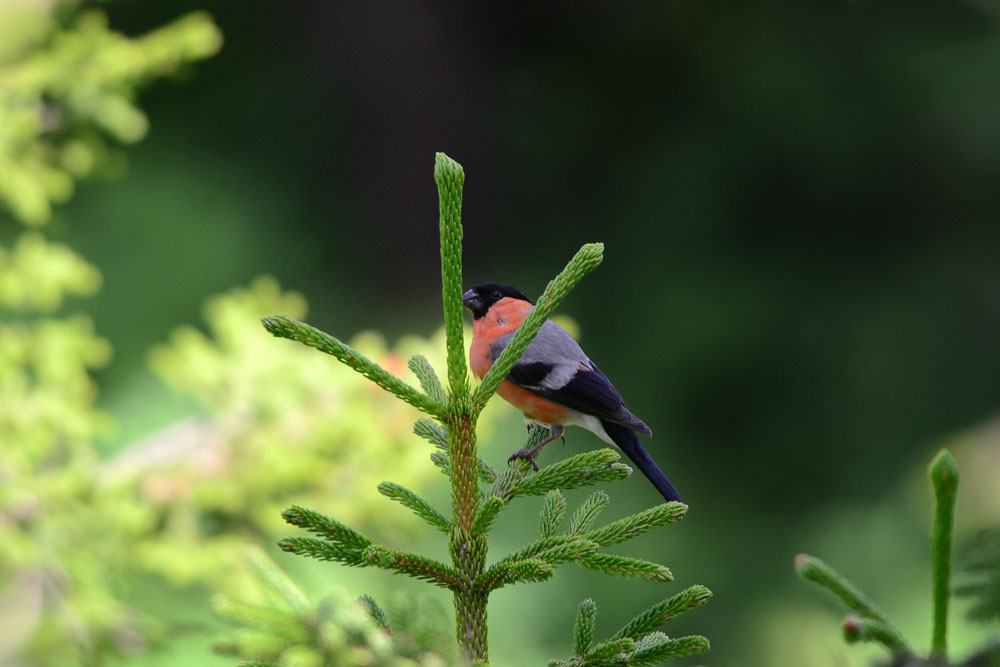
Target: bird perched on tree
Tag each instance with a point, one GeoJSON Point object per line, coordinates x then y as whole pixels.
{"type": "Point", "coordinates": [554, 383]}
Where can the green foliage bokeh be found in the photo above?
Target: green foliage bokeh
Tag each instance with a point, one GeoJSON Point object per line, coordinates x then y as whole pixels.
{"type": "Point", "coordinates": [83, 538]}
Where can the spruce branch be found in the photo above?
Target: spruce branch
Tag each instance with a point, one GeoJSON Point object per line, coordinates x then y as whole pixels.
{"type": "Point", "coordinates": [871, 624]}
{"type": "Point", "coordinates": [450, 179]}
{"type": "Point", "coordinates": [585, 469]}
{"type": "Point", "coordinates": [632, 526]}
{"type": "Point", "coordinates": [429, 381]}
{"type": "Point", "coordinates": [857, 629]}
{"type": "Point", "coordinates": [587, 512]}
{"type": "Point", "coordinates": [376, 612]}
{"type": "Point", "coordinates": [981, 566]}
{"type": "Point", "coordinates": [656, 647]}
{"type": "Point", "coordinates": [282, 326]}
{"type": "Point", "coordinates": [437, 435]}
{"type": "Point", "coordinates": [487, 473]}
{"type": "Point", "coordinates": [552, 513]}
{"type": "Point", "coordinates": [611, 652]}
{"type": "Point", "coordinates": [508, 479]}
{"type": "Point", "coordinates": [638, 643]}
{"type": "Point", "coordinates": [817, 571]}
{"type": "Point", "coordinates": [418, 505]}
{"type": "Point", "coordinates": [468, 550]}
{"type": "Point", "coordinates": [943, 474]}
{"type": "Point", "coordinates": [442, 461]}
{"type": "Point", "coordinates": [413, 565]}
{"type": "Point", "coordinates": [583, 628]}
{"type": "Point", "coordinates": [518, 469]}
{"type": "Point", "coordinates": [432, 431]}
{"type": "Point", "coordinates": [572, 550]}
{"type": "Point", "coordinates": [521, 571]}
{"type": "Point", "coordinates": [344, 545]}
{"type": "Point", "coordinates": [627, 567]}
{"type": "Point", "coordinates": [569, 551]}
{"type": "Point", "coordinates": [489, 510]}
{"type": "Point", "coordinates": [586, 260]}
{"type": "Point", "coordinates": [582, 546]}
{"type": "Point", "coordinates": [322, 550]}
{"type": "Point", "coordinates": [543, 546]}
{"type": "Point", "coordinates": [665, 611]}
{"type": "Point", "coordinates": [324, 526]}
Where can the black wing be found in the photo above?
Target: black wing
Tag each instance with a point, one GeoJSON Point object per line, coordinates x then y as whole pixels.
{"type": "Point", "coordinates": [529, 375]}
{"type": "Point", "coordinates": [588, 391]}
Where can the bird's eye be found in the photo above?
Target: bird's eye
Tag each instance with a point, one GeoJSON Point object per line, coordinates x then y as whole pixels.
{"type": "Point", "coordinates": [495, 294]}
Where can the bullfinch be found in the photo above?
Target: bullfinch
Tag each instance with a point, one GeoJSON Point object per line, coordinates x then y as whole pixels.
{"type": "Point", "coordinates": [554, 383]}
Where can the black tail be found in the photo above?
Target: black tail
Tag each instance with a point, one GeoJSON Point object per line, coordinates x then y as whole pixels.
{"type": "Point", "coordinates": [629, 442]}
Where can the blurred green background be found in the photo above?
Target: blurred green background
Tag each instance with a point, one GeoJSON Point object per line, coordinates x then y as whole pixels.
{"type": "Point", "coordinates": [799, 294]}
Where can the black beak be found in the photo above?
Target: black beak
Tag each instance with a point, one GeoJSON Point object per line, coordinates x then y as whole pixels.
{"type": "Point", "coordinates": [472, 301]}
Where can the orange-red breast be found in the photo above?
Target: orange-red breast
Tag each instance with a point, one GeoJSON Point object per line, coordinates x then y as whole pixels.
{"type": "Point", "coordinates": [554, 383]}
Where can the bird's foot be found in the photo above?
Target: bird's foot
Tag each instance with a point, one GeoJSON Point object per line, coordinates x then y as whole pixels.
{"type": "Point", "coordinates": [555, 431]}
{"type": "Point", "coordinates": [525, 454]}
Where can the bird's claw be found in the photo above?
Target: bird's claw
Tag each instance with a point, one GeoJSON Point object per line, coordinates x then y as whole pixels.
{"type": "Point", "coordinates": [526, 454]}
